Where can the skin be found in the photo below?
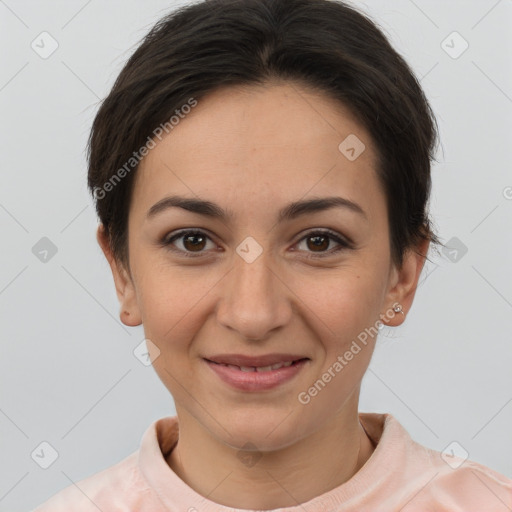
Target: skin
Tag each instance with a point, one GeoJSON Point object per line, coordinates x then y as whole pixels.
{"type": "Point", "coordinates": [253, 150]}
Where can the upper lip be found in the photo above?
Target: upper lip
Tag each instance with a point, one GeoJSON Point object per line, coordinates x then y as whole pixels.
{"type": "Point", "coordinates": [264, 360]}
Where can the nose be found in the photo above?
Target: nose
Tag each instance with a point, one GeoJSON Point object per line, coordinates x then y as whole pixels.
{"type": "Point", "coordinates": [254, 300]}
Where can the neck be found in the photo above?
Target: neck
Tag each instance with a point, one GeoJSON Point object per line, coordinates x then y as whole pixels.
{"type": "Point", "coordinates": [282, 478]}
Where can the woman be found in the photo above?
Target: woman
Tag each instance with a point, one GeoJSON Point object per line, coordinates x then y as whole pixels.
{"type": "Point", "coordinates": [261, 171]}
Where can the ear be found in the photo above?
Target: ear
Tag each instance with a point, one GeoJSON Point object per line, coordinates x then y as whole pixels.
{"type": "Point", "coordinates": [129, 312]}
{"type": "Point", "coordinates": [404, 282]}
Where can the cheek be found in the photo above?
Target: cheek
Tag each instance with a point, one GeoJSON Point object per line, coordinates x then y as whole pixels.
{"type": "Point", "coordinates": [172, 300]}
{"type": "Point", "coordinates": [170, 321]}
{"type": "Point", "coordinates": [345, 300]}
{"type": "Point", "coordinates": [343, 315]}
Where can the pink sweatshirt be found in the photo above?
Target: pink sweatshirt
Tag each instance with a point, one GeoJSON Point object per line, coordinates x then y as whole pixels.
{"type": "Point", "coordinates": [401, 475]}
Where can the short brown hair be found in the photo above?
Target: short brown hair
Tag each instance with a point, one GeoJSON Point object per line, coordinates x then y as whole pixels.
{"type": "Point", "coordinates": [324, 44]}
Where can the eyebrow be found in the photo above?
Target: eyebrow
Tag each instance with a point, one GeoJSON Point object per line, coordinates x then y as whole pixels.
{"type": "Point", "coordinates": [289, 212]}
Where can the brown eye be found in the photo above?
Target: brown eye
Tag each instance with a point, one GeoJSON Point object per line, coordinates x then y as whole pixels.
{"type": "Point", "coordinates": [191, 242]}
{"type": "Point", "coordinates": [194, 242]}
{"type": "Point", "coordinates": [319, 241]}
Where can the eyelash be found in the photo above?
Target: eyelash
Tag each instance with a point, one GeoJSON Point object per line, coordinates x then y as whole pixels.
{"type": "Point", "coordinates": [344, 244]}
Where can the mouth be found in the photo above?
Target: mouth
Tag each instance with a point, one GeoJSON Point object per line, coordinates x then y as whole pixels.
{"type": "Point", "coordinates": [262, 369]}
{"type": "Point", "coordinates": [257, 377]}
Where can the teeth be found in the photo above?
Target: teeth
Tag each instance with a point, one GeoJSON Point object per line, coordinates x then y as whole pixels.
{"type": "Point", "coordinates": [269, 368]}
{"type": "Point", "coordinates": [232, 366]}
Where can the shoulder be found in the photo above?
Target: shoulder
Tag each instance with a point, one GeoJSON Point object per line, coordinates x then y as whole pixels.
{"type": "Point", "coordinates": [454, 483]}
{"type": "Point", "coordinates": [113, 488]}
{"type": "Point", "coordinates": [424, 479]}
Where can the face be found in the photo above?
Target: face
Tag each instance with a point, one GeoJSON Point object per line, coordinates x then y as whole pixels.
{"type": "Point", "coordinates": [254, 283]}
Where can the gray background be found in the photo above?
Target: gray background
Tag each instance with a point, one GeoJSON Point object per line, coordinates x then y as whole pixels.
{"type": "Point", "coordinates": [68, 373]}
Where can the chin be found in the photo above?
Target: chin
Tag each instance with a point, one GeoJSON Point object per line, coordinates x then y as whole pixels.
{"type": "Point", "coordinates": [262, 431]}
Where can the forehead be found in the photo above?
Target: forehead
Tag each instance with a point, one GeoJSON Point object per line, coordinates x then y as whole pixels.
{"type": "Point", "coordinates": [248, 147]}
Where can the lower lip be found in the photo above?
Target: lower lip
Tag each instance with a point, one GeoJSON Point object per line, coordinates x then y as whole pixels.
{"type": "Point", "coordinates": [257, 381]}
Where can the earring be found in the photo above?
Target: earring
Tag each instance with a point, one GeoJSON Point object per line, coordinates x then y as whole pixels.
{"type": "Point", "coordinates": [397, 308]}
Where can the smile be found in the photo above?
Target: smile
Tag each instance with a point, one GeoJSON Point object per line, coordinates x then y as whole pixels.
{"type": "Point", "coordinates": [258, 368]}
{"type": "Point", "coordinates": [256, 378]}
